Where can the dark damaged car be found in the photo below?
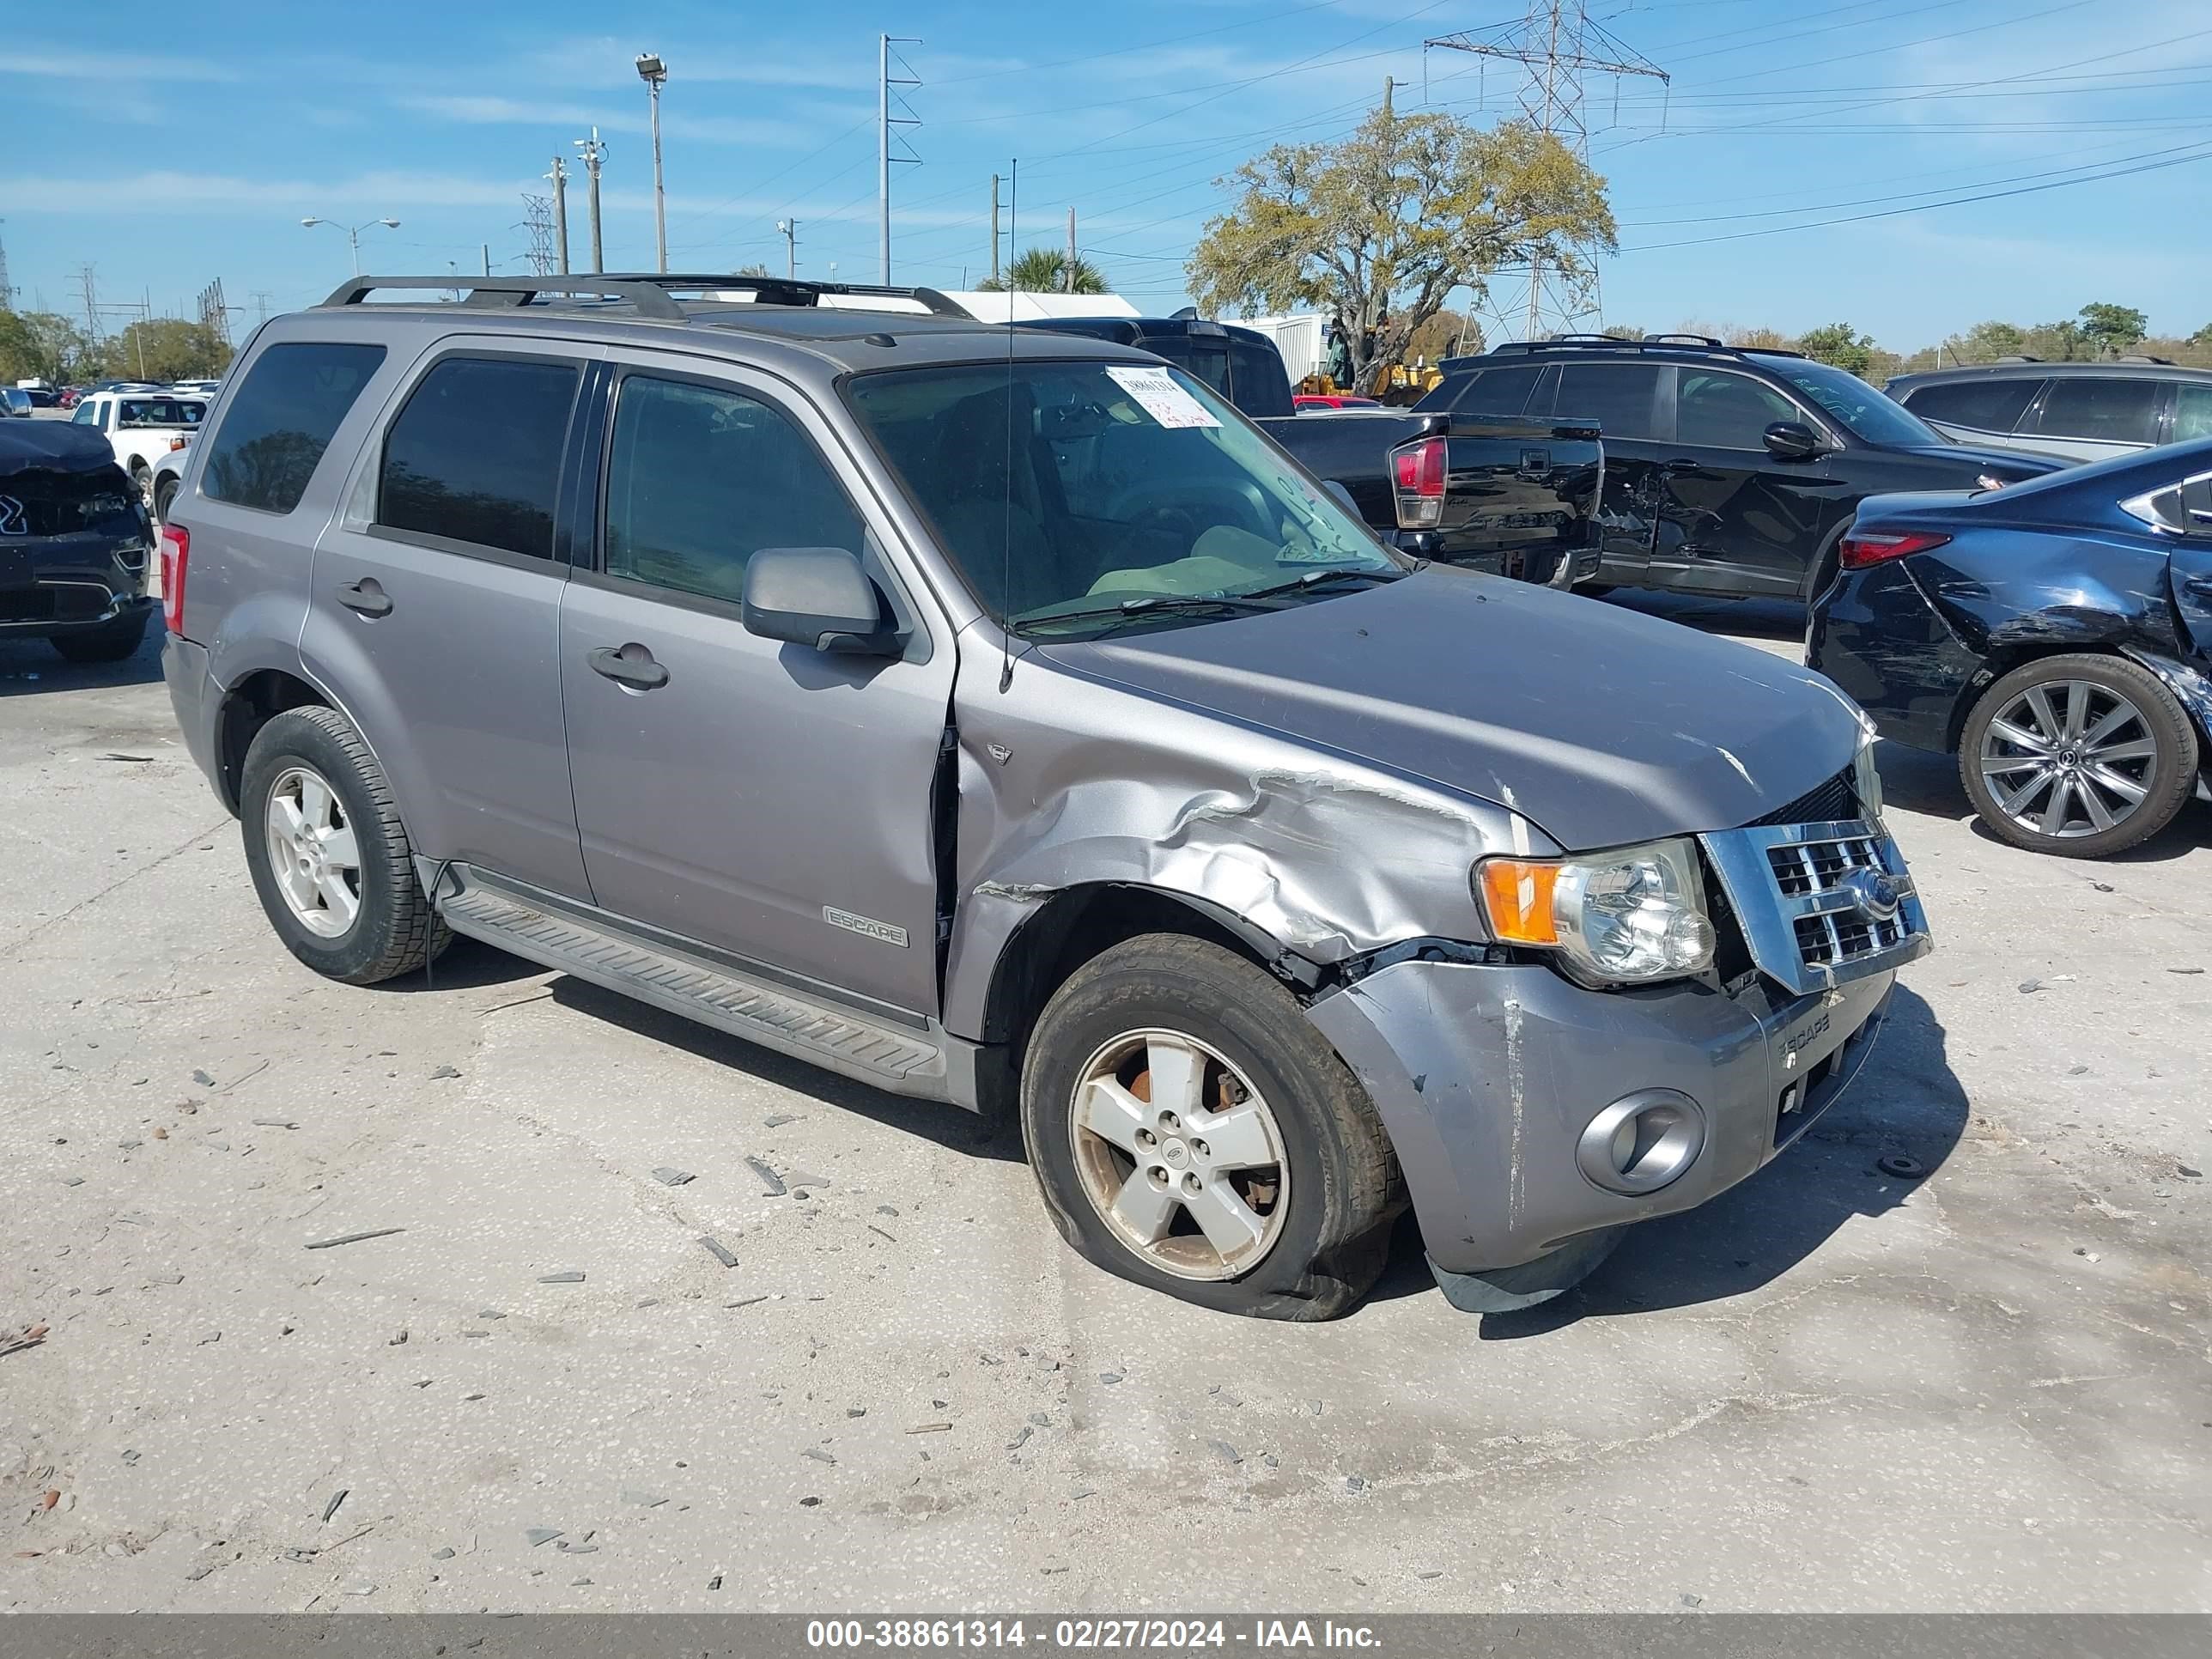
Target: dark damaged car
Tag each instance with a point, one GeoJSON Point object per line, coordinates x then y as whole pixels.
{"type": "Point", "coordinates": [804, 671]}
{"type": "Point", "coordinates": [2057, 636]}
{"type": "Point", "coordinates": [75, 543]}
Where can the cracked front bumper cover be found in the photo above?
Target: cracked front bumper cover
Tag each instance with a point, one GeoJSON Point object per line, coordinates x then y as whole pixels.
{"type": "Point", "coordinates": [1485, 1077]}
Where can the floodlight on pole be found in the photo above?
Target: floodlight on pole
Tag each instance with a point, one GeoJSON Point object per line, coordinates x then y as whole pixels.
{"type": "Point", "coordinates": [352, 233]}
{"type": "Point", "coordinates": [654, 73]}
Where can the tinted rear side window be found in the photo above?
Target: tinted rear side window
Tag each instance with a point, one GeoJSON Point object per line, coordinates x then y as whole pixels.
{"type": "Point", "coordinates": [1498, 391]}
{"type": "Point", "coordinates": [2192, 411]}
{"type": "Point", "coordinates": [1991, 405]}
{"type": "Point", "coordinates": [2122, 411]}
{"type": "Point", "coordinates": [1621, 398]}
{"type": "Point", "coordinates": [476, 455]}
{"type": "Point", "coordinates": [281, 419]}
{"type": "Point", "coordinates": [1261, 384]}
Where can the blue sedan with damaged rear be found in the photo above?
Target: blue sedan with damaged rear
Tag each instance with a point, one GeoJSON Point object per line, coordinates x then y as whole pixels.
{"type": "Point", "coordinates": [2055, 635]}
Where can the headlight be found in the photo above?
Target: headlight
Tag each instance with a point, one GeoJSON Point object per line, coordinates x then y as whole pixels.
{"type": "Point", "coordinates": [1626, 917]}
{"type": "Point", "coordinates": [1866, 780]}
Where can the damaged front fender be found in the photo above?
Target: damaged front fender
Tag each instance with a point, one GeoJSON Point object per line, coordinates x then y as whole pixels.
{"type": "Point", "coordinates": [1313, 861]}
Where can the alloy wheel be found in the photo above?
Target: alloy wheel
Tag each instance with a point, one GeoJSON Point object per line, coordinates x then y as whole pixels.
{"type": "Point", "coordinates": [1179, 1155]}
{"type": "Point", "coordinates": [2068, 758]}
{"type": "Point", "coordinates": [313, 853]}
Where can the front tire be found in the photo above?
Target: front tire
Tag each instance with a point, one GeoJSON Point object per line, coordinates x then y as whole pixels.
{"type": "Point", "coordinates": [2082, 755]}
{"type": "Point", "coordinates": [112, 641]}
{"type": "Point", "coordinates": [330, 858]}
{"type": "Point", "coordinates": [1192, 1133]}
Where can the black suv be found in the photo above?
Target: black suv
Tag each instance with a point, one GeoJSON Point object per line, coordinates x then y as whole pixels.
{"type": "Point", "coordinates": [1728, 471]}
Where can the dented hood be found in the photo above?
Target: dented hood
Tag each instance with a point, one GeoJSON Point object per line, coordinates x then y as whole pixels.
{"type": "Point", "coordinates": [1602, 726]}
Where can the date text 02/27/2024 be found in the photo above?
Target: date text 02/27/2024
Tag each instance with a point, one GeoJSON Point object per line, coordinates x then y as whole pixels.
{"type": "Point", "coordinates": [1139, 1635]}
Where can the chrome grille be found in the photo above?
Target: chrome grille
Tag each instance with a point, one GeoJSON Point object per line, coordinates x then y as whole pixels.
{"type": "Point", "coordinates": [1808, 896]}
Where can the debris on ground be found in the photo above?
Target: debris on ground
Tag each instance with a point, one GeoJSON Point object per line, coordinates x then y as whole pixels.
{"type": "Point", "coordinates": [780, 1120]}
{"type": "Point", "coordinates": [535, 1536]}
{"type": "Point", "coordinates": [1900, 1166]}
{"type": "Point", "coordinates": [1226, 1452]}
{"type": "Point", "coordinates": [30, 1336]}
{"type": "Point", "coordinates": [443, 1073]}
{"type": "Point", "coordinates": [331, 1508]}
{"type": "Point", "coordinates": [1020, 1439]}
{"type": "Point", "coordinates": [714, 1249]}
{"type": "Point", "coordinates": [1109, 1377]}
{"type": "Point", "coordinates": [672, 1177]}
{"type": "Point", "coordinates": [930, 1428]}
{"type": "Point", "coordinates": [353, 1238]}
{"type": "Point", "coordinates": [818, 1455]}
{"type": "Point", "coordinates": [770, 1180]}
{"type": "Point", "coordinates": [570, 1277]}
{"type": "Point", "coordinates": [644, 1500]}
{"type": "Point", "coordinates": [275, 1123]}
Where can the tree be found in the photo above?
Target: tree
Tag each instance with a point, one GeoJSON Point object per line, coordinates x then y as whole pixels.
{"type": "Point", "coordinates": [1379, 229]}
{"type": "Point", "coordinates": [163, 348]}
{"type": "Point", "coordinates": [1840, 344]}
{"type": "Point", "coordinates": [1045, 271]}
{"type": "Point", "coordinates": [42, 346]}
{"type": "Point", "coordinates": [1987, 342]}
{"type": "Point", "coordinates": [1447, 334]}
{"type": "Point", "coordinates": [2111, 330]}
{"type": "Point", "coordinates": [753, 269]}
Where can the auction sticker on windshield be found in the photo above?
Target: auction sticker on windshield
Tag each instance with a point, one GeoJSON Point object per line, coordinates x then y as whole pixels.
{"type": "Point", "coordinates": [1161, 397]}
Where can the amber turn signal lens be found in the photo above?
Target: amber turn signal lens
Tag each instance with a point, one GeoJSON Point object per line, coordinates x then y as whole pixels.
{"type": "Point", "coordinates": [1516, 899]}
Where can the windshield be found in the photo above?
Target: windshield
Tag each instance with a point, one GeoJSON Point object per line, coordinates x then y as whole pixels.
{"type": "Point", "coordinates": [1864, 410]}
{"type": "Point", "coordinates": [1078, 497]}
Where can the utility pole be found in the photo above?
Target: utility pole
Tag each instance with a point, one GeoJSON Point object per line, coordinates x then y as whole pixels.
{"type": "Point", "coordinates": [995, 230]}
{"type": "Point", "coordinates": [1067, 267]}
{"type": "Point", "coordinates": [789, 228]}
{"type": "Point", "coordinates": [89, 287]}
{"type": "Point", "coordinates": [487, 258]}
{"type": "Point", "coordinates": [654, 73]}
{"type": "Point", "coordinates": [1390, 85]}
{"type": "Point", "coordinates": [7, 291]}
{"type": "Point", "coordinates": [595, 155]}
{"type": "Point", "coordinates": [1557, 43]}
{"type": "Point", "coordinates": [884, 122]}
{"type": "Point", "coordinates": [560, 178]}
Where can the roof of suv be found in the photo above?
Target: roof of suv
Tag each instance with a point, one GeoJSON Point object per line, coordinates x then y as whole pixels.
{"type": "Point", "coordinates": [2152, 368]}
{"type": "Point", "coordinates": [1665, 347]}
{"type": "Point", "coordinates": [864, 332]}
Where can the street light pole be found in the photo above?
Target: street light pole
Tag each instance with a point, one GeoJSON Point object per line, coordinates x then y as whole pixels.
{"type": "Point", "coordinates": [654, 73]}
{"type": "Point", "coordinates": [595, 154]}
{"type": "Point", "coordinates": [352, 233]}
{"type": "Point", "coordinates": [789, 228]}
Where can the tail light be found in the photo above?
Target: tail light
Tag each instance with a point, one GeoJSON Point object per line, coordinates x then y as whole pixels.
{"type": "Point", "coordinates": [178, 441]}
{"type": "Point", "coordinates": [1863, 547]}
{"type": "Point", "coordinates": [176, 551]}
{"type": "Point", "coordinates": [1417, 471]}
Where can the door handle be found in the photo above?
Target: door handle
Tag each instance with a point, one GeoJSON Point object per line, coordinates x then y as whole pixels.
{"type": "Point", "coordinates": [366, 596]}
{"type": "Point", "coordinates": [630, 665]}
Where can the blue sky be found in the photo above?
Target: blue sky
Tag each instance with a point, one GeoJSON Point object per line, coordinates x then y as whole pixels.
{"type": "Point", "coordinates": [170, 148]}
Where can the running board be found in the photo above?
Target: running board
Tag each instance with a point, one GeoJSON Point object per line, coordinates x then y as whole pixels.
{"type": "Point", "coordinates": [906, 1060]}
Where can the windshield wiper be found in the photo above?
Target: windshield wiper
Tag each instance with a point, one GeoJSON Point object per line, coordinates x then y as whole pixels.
{"type": "Point", "coordinates": [1149, 605]}
{"type": "Point", "coordinates": [1314, 579]}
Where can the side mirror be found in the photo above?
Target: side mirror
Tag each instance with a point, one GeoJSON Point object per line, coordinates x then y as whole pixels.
{"type": "Point", "coordinates": [817, 597]}
{"type": "Point", "coordinates": [1335, 487]}
{"type": "Point", "coordinates": [1791, 441]}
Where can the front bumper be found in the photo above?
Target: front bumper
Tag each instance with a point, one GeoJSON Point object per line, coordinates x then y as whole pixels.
{"type": "Point", "coordinates": [1486, 1077]}
{"type": "Point", "coordinates": [64, 584]}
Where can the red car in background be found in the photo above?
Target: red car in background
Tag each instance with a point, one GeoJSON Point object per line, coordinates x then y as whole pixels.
{"type": "Point", "coordinates": [1307, 400]}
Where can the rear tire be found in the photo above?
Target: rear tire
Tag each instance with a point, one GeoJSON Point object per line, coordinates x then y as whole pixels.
{"type": "Point", "coordinates": [2136, 774]}
{"type": "Point", "coordinates": [112, 641]}
{"type": "Point", "coordinates": [1319, 1189]}
{"type": "Point", "coordinates": [392, 928]}
{"type": "Point", "coordinates": [165, 493]}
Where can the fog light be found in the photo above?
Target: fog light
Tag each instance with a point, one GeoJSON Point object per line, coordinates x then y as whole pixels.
{"type": "Point", "coordinates": [1642, 1142]}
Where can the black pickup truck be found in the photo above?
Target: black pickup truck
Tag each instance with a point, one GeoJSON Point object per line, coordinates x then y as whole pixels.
{"type": "Point", "coordinates": [1513, 496]}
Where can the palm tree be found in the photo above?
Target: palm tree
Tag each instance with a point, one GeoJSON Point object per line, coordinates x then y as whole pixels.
{"type": "Point", "coordinates": [1044, 270]}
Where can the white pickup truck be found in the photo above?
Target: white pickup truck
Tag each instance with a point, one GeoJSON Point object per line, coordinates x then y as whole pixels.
{"type": "Point", "coordinates": [141, 426]}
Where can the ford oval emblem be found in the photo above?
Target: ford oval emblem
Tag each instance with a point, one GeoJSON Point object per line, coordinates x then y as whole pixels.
{"type": "Point", "coordinates": [1874, 893]}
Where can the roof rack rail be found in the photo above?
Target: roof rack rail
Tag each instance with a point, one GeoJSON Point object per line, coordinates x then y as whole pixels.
{"type": "Point", "coordinates": [2018, 357]}
{"type": "Point", "coordinates": [2143, 357]}
{"type": "Point", "coordinates": [650, 292]}
{"type": "Point", "coordinates": [1686, 339]}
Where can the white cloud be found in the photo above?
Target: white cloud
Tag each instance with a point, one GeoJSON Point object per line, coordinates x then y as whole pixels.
{"type": "Point", "coordinates": [478, 109]}
{"type": "Point", "coordinates": [103, 68]}
{"type": "Point", "coordinates": [151, 192]}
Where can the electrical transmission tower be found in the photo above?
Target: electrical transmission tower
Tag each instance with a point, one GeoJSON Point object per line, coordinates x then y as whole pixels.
{"type": "Point", "coordinates": [538, 224]}
{"type": "Point", "coordinates": [1557, 44]}
{"type": "Point", "coordinates": [215, 315]}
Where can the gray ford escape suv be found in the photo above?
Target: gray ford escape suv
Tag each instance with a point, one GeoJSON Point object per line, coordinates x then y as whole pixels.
{"type": "Point", "coordinates": [1000, 718]}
